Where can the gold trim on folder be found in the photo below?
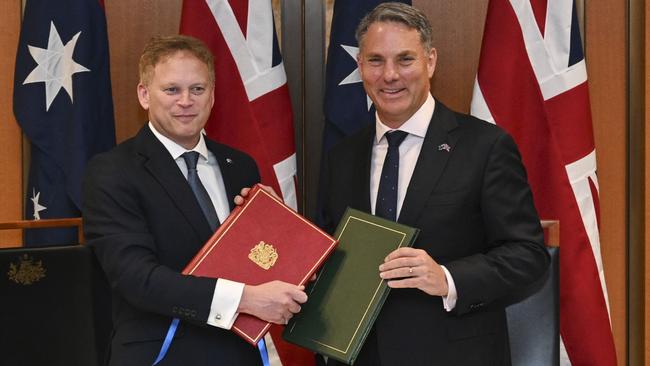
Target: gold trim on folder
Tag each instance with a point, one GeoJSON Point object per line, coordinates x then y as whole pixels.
{"type": "Point", "coordinates": [365, 314]}
{"type": "Point", "coordinates": [232, 223]}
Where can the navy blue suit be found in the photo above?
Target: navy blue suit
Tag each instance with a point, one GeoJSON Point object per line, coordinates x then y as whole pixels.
{"type": "Point", "coordinates": [144, 224]}
{"type": "Point", "coordinates": [475, 212]}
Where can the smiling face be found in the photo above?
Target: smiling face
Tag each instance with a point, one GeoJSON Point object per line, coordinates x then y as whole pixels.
{"type": "Point", "coordinates": [179, 97]}
{"type": "Point", "coordinates": [395, 69]}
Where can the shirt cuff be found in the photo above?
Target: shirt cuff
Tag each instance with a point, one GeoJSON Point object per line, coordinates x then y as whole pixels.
{"type": "Point", "coordinates": [449, 301]}
{"type": "Point", "coordinates": [225, 301]}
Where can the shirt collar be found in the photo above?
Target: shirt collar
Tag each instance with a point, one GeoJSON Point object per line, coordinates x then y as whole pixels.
{"type": "Point", "coordinates": [176, 150]}
{"type": "Point", "coordinates": [416, 125]}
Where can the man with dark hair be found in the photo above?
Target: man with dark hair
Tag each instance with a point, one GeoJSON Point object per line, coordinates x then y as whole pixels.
{"type": "Point", "coordinates": [459, 180]}
{"type": "Point", "coordinates": [149, 206]}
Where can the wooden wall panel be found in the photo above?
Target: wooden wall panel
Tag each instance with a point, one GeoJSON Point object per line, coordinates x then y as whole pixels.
{"type": "Point", "coordinates": [130, 25]}
{"type": "Point", "coordinates": [11, 185]}
{"type": "Point", "coordinates": [646, 177]}
{"type": "Point", "coordinates": [457, 33]}
{"type": "Point", "coordinates": [605, 39]}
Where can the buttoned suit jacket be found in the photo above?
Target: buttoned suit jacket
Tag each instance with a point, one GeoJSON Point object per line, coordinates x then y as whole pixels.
{"type": "Point", "coordinates": [145, 224]}
{"type": "Point", "coordinates": [472, 203]}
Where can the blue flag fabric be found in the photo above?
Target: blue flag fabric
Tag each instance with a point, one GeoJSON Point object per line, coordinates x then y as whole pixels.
{"type": "Point", "coordinates": [63, 103]}
{"type": "Point", "coordinates": [347, 108]}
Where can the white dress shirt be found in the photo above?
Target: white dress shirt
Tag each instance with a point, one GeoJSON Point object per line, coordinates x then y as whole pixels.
{"type": "Point", "coordinates": [227, 294]}
{"type": "Point", "coordinates": [409, 151]}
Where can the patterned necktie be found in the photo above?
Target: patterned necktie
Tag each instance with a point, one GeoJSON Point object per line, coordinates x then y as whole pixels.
{"type": "Point", "coordinates": [191, 158]}
{"type": "Point", "coordinates": [386, 205]}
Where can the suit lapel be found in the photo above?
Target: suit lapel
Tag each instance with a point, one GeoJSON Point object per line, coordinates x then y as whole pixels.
{"type": "Point", "coordinates": [159, 163]}
{"type": "Point", "coordinates": [363, 156]}
{"type": "Point", "coordinates": [431, 162]}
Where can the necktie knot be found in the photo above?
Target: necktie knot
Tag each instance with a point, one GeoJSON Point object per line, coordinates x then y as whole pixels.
{"type": "Point", "coordinates": [395, 138]}
{"type": "Point", "coordinates": [191, 158]}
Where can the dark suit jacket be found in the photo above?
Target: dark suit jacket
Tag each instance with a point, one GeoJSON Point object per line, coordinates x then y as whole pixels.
{"type": "Point", "coordinates": [145, 225]}
{"type": "Point", "coordinates": [475, 211]}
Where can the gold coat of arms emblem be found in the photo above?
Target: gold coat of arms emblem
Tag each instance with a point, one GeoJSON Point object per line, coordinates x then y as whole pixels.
{"type": "Point", "coordinates": [264, 255]}
{"type": "Point", "coordinates": [27, 271]}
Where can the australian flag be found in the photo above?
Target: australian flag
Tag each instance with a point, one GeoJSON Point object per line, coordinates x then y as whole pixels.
{"type": "Point", "coordinates": [62, 101]}
{"type": "Point", "coordinates": [347, 107]}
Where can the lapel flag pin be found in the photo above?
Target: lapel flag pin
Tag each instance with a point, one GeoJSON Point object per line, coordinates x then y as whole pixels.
{"type": "Point", "coordinates": [229, 160]}
{"type": "Point", "coordinates": [445, 147]}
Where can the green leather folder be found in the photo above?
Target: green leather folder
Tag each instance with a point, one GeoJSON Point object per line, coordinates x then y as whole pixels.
{"type": "Point", "coordinates": [347, 296]}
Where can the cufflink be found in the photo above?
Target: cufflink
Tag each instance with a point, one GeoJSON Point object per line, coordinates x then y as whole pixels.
{"type": "Point", "coordinates": [218, 317]}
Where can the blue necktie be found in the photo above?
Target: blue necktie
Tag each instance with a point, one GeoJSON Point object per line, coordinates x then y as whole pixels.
{"type": "Point", "coordinates": [191, 158]}
{"type": "Point", "coordinates": [386, 205]}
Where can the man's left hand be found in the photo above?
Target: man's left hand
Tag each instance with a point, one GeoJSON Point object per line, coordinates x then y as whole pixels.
{"type": "Point", "coordinates": [414, 268]}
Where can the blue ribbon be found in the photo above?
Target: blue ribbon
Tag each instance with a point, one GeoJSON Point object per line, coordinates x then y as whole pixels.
{"type": "Point", "coordinates": [261, 345]}
{"type": "Point", "coordinates": [168, 341]}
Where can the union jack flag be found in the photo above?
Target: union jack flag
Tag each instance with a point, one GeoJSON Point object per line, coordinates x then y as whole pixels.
{"type": "Point", "coordinates": [252, 108]}
{"type": "Point", "coordinates": [532, 80]}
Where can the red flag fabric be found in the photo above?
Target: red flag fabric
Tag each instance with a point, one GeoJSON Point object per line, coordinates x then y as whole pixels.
{"type": "Point", "coordinates": [252, 109]}
{"type": "Point", "coordinates": [532, 81]}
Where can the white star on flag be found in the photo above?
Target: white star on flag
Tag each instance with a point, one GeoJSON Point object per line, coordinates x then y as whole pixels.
{"type": "Point", "coordinates": [55, 66]}
{"type": "Point", "coordinates": [37, 206]}
{"type": "Point", "coordinates": [355, 75]}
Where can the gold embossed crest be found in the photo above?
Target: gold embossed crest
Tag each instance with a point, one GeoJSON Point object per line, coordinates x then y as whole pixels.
{"type": "Point", "coordinates": [264, 255]}
{"type": "Point", "coordinates": [27, 271]}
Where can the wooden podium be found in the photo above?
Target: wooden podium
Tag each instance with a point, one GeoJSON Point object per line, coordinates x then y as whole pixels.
{"type": "Point", "coordinates": [45, 224]}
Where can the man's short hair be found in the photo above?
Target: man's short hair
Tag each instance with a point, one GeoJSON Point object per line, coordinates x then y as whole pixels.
{"type": "Point", "coordinates": [398, 13]}
{"type": "Point", "coordinates": [160, 48]}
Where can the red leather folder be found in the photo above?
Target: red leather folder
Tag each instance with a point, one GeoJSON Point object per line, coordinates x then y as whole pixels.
{"type": "Point", "coordinates": [261, 241]}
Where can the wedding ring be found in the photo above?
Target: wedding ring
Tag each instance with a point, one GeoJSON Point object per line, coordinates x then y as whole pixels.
{"type": "Point", "coordinates": [410, 270]}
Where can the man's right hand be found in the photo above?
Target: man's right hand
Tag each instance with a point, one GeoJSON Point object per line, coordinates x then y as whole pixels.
{"type": "Point", "coordinates": [275, 301]}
